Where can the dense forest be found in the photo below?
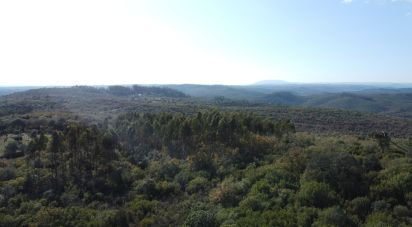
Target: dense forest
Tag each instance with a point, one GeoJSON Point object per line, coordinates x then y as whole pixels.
{"type": "Point", "coordinates": [125, 156]}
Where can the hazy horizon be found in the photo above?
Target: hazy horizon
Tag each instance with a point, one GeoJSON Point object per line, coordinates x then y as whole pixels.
{"type": "Point", "coordinates": [257, 83]}
{"type": "Point", "coordinates": [56, 43]}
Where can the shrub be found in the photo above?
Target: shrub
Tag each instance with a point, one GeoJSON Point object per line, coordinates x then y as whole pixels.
{"type": "Point", "coordinates": [334, 216]}
{"type": "Point", "coordinates": [255, 202]}
{"type": "Point", "coordinates": [147, 187]}
{"type": "Point", "coordinates": [338, 169]}
{"type": "Point", "coordinates": [229, 193]}
{"type": "Point", "coordinates": [7, 220]}
{"type": "Point", "coordinates": [10, 149]}
{"type": "Point", "coordinates": [201, 218]}
{"type": "Point", "coordinates": [359, 206]}
{"type": "Point", "coordinates": [197, 184]}
{"type": "Point", "coordinates": [401, 211]}
{"type": "Point", "coordinates": [316, 194]}
{"type": "Point", "coordinates": [183, 177]}
{"type": "Point", "coordinates": [7, 173]}
{"type": "Point", "coordinates": [142, 206]}
{"type": "Point", "coordinates": [165, 188]}
{"type": "Point", "coordinates": [306, 216]}
{"type": "Point", "coordinates": [380, 206]}
{"type": "Point", "coordinates": [379, 219]}
{"type": "Point", "coordinates": [168, 170]}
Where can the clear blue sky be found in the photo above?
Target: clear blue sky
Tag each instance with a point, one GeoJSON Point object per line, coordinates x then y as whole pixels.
{"type": "Point", "coordinates": [214, 41]}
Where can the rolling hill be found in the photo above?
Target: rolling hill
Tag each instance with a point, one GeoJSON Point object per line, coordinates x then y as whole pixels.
{"type": "Point", "coordinates": [97, 104]}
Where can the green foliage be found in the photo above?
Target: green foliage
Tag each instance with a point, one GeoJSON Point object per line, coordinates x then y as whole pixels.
{"type": "Point", "coordinates": [10, 150]}
{"type": "Point", "coordinates": [198, 184]}
{"type": "Point", "coordinates": [306, 216]}
{"type": "Point", "coordinates": [7, 173]}
{"type": "Point", "coordinates": [201, 218]}
{"type": "Point", "coordinates": [144, 90]}
{"type": "Point", "coordinates": [334, 216]}
{"type": "Point", "coordinates": [380, 219]}
{"type": "Point", "coordinates": [359, 206]}
{"type": "Point", "coordinates": [340, 170]}
{"type": "Point", "coordinates": [395, 181]}
{"type": "Point", "coordinates": [316, 194]}
{"type": "Point", "coordinates": [278, 217]}
{"type": "Point", "coordinates": [229, 193]}
{"type": "Point", "coordinates": [76, 216]}
{"type": "Point", "coordinates": [143, 207]}
{"type": "Point", "coordinates": [211, 168]}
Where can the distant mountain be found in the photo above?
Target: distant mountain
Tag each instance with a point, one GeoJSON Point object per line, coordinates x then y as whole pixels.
{"type": "Point", "coordinates": [271, 82]}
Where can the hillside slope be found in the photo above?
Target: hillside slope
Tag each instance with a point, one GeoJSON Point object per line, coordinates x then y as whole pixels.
{"type": "Point", "coordinates": [94, 105]}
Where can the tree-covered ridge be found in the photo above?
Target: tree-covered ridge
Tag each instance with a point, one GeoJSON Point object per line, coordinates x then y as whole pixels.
{"type": "Point", "coordinates": [79, 97]}
{"type": "Point", "coordinates": [94, 105]}
{"type": "Point", "coordinates": [145, 90]}
{"type": "Point", "coordinates": [208, 169]}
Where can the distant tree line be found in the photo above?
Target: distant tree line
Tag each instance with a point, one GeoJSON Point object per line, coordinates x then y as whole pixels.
{"type": "Point", "coordinates": [143, 90]}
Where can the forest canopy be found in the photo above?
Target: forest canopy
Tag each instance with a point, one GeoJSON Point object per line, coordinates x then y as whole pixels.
{"type": "Point", "coordinates": [212, 168]}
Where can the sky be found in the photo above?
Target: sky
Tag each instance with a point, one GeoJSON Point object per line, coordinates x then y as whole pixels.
{"type": "Point", "coordinates": [101, 42]}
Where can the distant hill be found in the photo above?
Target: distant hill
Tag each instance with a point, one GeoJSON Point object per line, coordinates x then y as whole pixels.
{"type": "Point", "coordinates": [395, 104]}
{"type": "Point", "coordinates": [91, 104]}
{"type": "Point", "coordinates": [365, 98]}
{"type": "Point", "coordinates": [374, 98]}
{"type": "Point", "coordinates": [347, 101]}
{"type": "Point", "coordinates": [144, 90]}
{"type": "Point", "coordinates": [10, 90]}
{"type": "Point", "coordinates": [212, 91]}
{"type": "Point", "coordinates": [271, 82]}
{"type": "Point", "coordinates": [285, 98]}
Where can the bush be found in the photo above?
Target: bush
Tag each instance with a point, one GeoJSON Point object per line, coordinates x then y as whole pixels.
{"type": "Point", "coordinates": [7, 220]}
{"type": "Point", "coordinates": [316, 194]}
{"type": "Point", "coordinates": [229, 193]}
{"type": "Point", "coordinates": [165, 188]}
{"type": "Point", "coordinates": [395, 183]}
{"type": "Point", "coordinates": [183, 178]}
{"type": "Point", "coordinates": [255, 202]}
{"type": "Point", "coordinates": [277, 217]}
{"type": "Point", "coordinates": [306, 216]}
{"type": "Point", "coordinates": [334, 216]}
{"type": "Point", "coordinates": [380, 206]}
{"type": "Point", "coordinates": [7, 173]}
{"type": "Point", "coordinates": [197, 184]}
{"type": "Point", "coordinates": [201, 218]}
{"type": "Point", "coordinates": [147, 187]}
{"type": "Point", "coordinates": [359, 206]}
{"type": "Point", "coordinates": [380, 220]}
{"type": "Point", "coordinates": [168, 170]}
{"type": "Point", "coordinates": [401, 211]}
{"type": "Point", "coordinates": [142, 206]}
{"type": "Point", "coordinates": [10, 149]}
{"type": "Point", "coordinates": [340, 170]}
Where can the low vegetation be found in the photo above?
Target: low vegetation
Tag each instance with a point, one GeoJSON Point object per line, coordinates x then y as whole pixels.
{"type": "Point", "coordinates": [212, 168]}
